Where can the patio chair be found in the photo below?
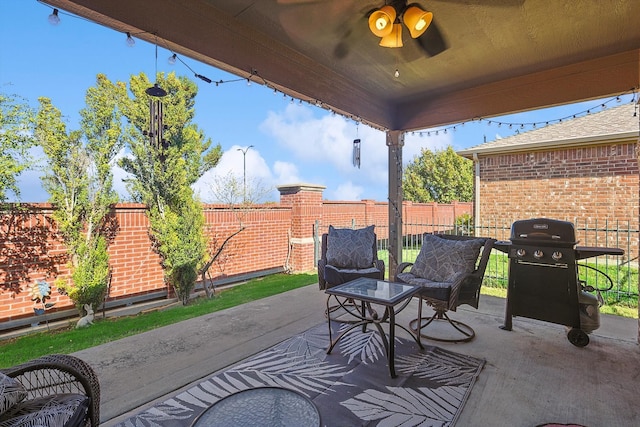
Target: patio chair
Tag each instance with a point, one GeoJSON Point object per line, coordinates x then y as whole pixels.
{"type": "Point", "coordinates": [52, 390]}
{"type": "Point", "coordinates": [450, 274]}
{"type": "Point", "coordinates": [348, 254]}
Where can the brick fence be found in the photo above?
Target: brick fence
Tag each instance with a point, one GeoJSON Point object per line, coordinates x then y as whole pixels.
{"type": "Point", "coordinates": [276, 237]}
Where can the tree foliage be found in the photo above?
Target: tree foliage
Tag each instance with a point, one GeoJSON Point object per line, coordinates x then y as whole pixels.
{"type": "Point", "coordinates": [231, 190]}
{"type": "Point", "coordinates": [162, 177]}
{"type": "Point", "coordinates": [16, 137]}
{"type": "Point", "coordinates": [441, 176]}
{"type": "Point", "coordinates": [79, 181]}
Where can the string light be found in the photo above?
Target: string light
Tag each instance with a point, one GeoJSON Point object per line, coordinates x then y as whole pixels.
{"type": "Point", "coordinates": [54, 19]}
{"type": "Point", "coordinates": [130, 40]}
{"type": "Point", "coordinates": [519, 127]}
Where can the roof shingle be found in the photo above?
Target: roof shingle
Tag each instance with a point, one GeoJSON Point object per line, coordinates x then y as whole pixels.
{"type": "Point", "coordinates": [611, 123]}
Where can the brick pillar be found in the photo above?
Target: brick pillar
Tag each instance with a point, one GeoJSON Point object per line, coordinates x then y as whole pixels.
{"type": "Point", "coordinates": [306, 203]}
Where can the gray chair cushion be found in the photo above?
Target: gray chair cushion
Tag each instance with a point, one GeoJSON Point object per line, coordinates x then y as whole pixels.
{"type": "Point", "coordinates": [11, 393]}
{"type": "Point", "coordinates": [60, 410]}
{"type": "Point", "coordinates": [348, 248]}
{"type": "Point", "coordinates": [336, 276]}
{"type": "Point", "coordinates": [441, 259]}
{"type": "Point", "coordinates": [430, 289]}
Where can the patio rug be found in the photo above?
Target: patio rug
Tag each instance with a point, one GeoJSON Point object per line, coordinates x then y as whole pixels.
{"type": "Point", "coordinates": [350, 387]}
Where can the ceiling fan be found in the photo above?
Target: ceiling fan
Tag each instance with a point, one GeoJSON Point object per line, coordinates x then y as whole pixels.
{"type": "Point", "coordinates": [354, 25]}
{"type": "Point", "coordinates": [387, 21]}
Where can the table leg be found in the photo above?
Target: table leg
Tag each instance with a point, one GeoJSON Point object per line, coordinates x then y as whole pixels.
{"type": "Point", "coordinates": [392, 342]}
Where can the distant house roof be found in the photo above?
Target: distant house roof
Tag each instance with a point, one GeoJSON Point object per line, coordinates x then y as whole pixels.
{"type": "Point", "coordinates": [612, 124]}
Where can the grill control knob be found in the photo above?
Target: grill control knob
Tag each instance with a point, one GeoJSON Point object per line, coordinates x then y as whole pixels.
{"type": "Point", "coordinates": [521, 252]}
{"type": "Point", "coordinates": [557, 256]}
{"type": "Point", "coordinates": [538, 254]}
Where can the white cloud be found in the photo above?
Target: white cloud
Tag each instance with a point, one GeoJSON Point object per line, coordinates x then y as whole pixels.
{"type": "Point", "coordinates": [347, 191]}
{"type": "Point", "coordinates": [285, 172]}
{"type": "Point", "coordinates": [323, 147]}
{"type": "Point", "coordinates": [233, 162]}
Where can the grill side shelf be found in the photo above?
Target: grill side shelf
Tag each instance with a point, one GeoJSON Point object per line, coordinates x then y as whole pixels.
{"type": "Point", "coordinates": [583, 252]}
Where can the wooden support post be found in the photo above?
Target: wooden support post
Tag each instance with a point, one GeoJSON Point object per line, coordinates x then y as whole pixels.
{"type": "Point", "coordinates": [395, 142]}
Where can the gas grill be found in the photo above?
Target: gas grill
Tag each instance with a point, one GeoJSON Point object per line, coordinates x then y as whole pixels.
{"type": "Point", "coordinates": [543, 277]}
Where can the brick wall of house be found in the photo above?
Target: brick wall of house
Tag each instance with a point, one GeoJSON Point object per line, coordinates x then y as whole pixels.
{"type": "Point", "coordinates": [274, 236]}
{"type": "Point", "coordinates": [597, 185]}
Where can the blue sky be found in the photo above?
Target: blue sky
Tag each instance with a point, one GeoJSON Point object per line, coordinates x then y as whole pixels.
{"type": "Point", "coordinates": [292, 142]}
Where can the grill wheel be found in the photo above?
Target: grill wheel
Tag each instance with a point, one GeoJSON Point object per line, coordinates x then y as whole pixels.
{"type": "Point", "coordinates": [578, 337]}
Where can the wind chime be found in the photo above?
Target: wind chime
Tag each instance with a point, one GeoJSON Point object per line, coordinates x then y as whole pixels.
{"type": "Point", "coordinates": [156, 125]}
{"type": "Point", "coordinates": [356, 150]}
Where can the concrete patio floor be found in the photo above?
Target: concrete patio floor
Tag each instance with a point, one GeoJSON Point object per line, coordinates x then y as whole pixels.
{"type": "Point", "coordinates": [532, 376]}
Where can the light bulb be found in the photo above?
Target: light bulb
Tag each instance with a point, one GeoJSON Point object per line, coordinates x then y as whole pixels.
{"type": "Point", "coordinates": [172, 59]}
{"type": "Point", "coordinates": [130, 41]}
{"type": "Point", "coordinates": [382, 22]}
{"type": "Point", "coordinates": [54, 19]}
{"type": "Point", "coordinates": [421, 24]}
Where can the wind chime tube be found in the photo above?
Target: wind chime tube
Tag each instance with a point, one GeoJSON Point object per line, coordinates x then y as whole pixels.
{"type": "Point", "coordinates": [160, 131]}
{"type": "Point", "coordinates": [356, 153]}
{"type": "Point", "coordinates": [151, 120]}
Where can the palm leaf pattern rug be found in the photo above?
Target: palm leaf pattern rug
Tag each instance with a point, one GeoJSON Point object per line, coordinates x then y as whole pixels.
{"type": "Point", "coordinates": [350, 387]}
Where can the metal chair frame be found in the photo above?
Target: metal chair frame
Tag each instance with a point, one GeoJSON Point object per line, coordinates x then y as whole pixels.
{"type": "Point", "coordinates": [465, 290]}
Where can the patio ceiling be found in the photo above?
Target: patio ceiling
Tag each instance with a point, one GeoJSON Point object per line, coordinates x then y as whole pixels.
{"type": "Point", "coordinates": [481, 58]}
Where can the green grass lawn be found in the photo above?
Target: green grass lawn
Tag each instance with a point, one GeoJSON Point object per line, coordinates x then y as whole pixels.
{"type": "Point", "coordinates": [617, 301]}
{"type": "Point", "coordinates": [68, 340]}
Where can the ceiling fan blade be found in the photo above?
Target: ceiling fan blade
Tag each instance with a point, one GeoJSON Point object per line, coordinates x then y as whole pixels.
{"type": "Point", "coordinates": [432, 41]}
{"type": "Point", "coordinates": [355, 32]}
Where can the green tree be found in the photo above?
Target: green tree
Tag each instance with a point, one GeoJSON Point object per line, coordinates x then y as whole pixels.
{"type": "Point", "coordinates": [16, 137]}
{"type": "Point", "coordinates": [441, 176]}
{"type": "Point", "coordinates": [79, 181]}
{"type": "Point", "coordinates": [163, 176]}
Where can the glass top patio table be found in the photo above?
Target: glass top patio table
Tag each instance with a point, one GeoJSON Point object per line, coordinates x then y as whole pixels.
{"type": "Point", "coordinates": [366, 291]}
{"type": "Point", "coordinates": [261, 407]}
{"type": "Point", "coordinates": [373, 290]}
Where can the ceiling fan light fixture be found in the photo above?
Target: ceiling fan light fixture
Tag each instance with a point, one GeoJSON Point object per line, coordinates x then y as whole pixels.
{"type": "Point", "coordinates": [381, 21]}
{"type": "Point", "coordinates": [394, 39]}
{"type": "Point", "coordinates": [417, 20]}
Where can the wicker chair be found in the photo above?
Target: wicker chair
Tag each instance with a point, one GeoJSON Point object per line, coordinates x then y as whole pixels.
{"type": "Point", "coordinates": [462, 287]}
{"type": "Point", "coordinates": [331, 275]}
{"type": "Point", "coordinates": [58, 374]}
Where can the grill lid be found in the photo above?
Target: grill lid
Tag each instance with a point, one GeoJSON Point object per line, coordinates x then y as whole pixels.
{"type": "Point", "coordinates": [543, 231]}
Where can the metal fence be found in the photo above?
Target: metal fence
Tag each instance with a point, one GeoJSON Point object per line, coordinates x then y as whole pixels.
{"type": "Point", "coordinates": [623, 270]}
